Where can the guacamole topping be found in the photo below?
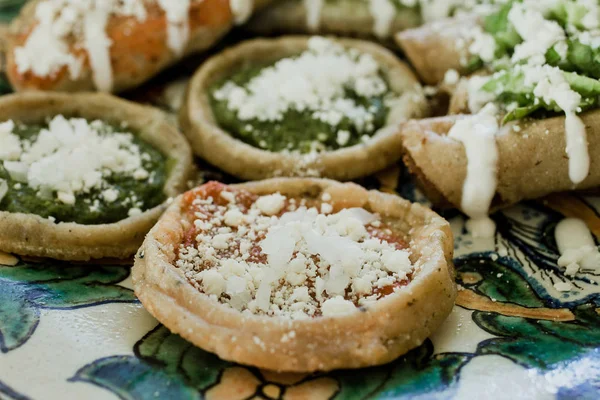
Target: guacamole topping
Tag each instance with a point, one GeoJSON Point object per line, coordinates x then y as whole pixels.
{"type": "Point", "coordinates": [74, 170]}
{"type": "Point", "coordinates": [326, 98]}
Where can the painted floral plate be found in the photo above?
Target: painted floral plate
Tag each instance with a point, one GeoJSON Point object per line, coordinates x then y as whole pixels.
{"type": "Point", "coordinates": [72, 331]}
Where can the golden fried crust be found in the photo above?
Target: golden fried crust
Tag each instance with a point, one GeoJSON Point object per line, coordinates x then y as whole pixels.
{"type": "Point", "coordinates": [221, 149]}
{"type": "Point", "coordinates": [434, 48]}
{"type": "Point", "coordinates": [138, 52]}
{"type": "Point", "coordinates": [339, 17]}
{"type": "Point", "coordinates": [376, 335]}
{"type": "Point", "coordinates": [532, 162]}
{"type": "Point", "coordinates": [32, 235]}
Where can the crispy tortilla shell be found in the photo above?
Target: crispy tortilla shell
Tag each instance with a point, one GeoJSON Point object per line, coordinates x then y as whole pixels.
{"type": "Point", "coordinates": [32, 235]}
{"type": "Point", "coordinates": [532, 162]}
{"type": "Point", "coordinates": [377, 335]}
{"type": "Point", "coordinates": [437, 47]}
{"type": "Point", "coordinates": [244, 161]}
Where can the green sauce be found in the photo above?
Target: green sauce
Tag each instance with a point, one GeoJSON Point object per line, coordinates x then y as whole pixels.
{"type": "Point", "coordinates": [149, 192]}
{"type": "Point", "coordinates": [298, 131]}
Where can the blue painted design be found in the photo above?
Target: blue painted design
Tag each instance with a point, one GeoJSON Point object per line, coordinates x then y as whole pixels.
{"type": "Point", "coordinates": [10, 393]}
{"type": "Point", "coordinates": [27, 288]}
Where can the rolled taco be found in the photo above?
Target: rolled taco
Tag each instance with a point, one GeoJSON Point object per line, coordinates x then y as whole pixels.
{"type": "Point", "coordinates": [373, 18]}
{"type": "Point", "coordinates": [379, 18]}
{"type": "Point", "coordinates": [527, 128]}
{"type": "Point", "coordinates": [531, 162]}
{"type": "Point", "coordinates": [111, 45]}
{"type": "Point", "coordinates": [437, 47]}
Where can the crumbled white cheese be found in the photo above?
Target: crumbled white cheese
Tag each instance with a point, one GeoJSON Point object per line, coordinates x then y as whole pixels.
{"type": "Point", "coordinates": [46, 50]}
{"type": "Point", "coordinates": [67, 198]}
{"type": "Point", "coordinates": [271, 204]}
{"type": "Point", "coordinates": [72, 156]}
{"type": "Point", "coordinates": [316, 81]}
{"type": "Point", "coordinates": [301, 264]}
{"type": "Point", "coordinates": [433, 10]}
{"type": "Point", "coordinates": [482, 44]}
{"type": "Point", "coordinates": [134, 211]}
{"type": "Point", "coordinates": [538, 33]}
{"type": "Point", "coordinates": [451, 77]}
{"type": "Point", "coordinates": [110, 195]}
{"type": "Point", "coordinates": [10, 145]}
{"type": "Point", "coordinates": [230, 197]}
{"type": "Point", "coordinates": [233, 218]}
{"type": "Point", "coordinates": [16, 170]}
{"type": "Point", "coordinates": [212, 282]}
{"type": "Point", "coordinates": [342, 137]}
{"type": "Point", "coordinates": [326, 208]}
{"type": "Point", "coordinates": [337, 306]}
{"type": "Point", "coordinates": [588, 38]}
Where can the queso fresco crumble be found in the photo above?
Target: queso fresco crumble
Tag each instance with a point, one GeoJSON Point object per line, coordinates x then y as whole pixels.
{"type": "Point", "coordinates": [74, 170]}
{"type": "Point", "coordinates": [325, 98]}
{"type": "Point", "coordinates": [288, 257]}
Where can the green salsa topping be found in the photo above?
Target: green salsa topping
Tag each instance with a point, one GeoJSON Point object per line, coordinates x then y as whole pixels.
{"type": "Point", "coordinates": [300, 128]}
{"type": "Point", "coordinates": [90, 207]}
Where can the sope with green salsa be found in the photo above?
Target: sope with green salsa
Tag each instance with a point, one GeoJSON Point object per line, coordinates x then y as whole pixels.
{"type": "Point", "coordinates": [74, 170]}
{"type": "Point", "coordinates": [323, 99]}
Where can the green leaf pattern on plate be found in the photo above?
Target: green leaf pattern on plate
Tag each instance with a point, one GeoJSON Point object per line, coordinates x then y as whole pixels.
{"type": "Point", "coordinates": [26, 288]}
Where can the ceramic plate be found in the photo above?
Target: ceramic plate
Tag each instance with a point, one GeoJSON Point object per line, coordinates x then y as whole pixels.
{"type": "Point", "coordinates": [72, 331]}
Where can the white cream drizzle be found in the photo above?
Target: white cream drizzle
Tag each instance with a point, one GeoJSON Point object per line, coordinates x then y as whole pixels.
{"type": "Point", "coordinates": [551, 86]}
{"type": "Point", "coordinates": [577, 148]}
{"type": "Point", "coordinates": [313, 13]}
{"type": "Point", "coordinates": [383, 13]}
{"type": "Point", "coordinates": [241, 9]}
{"type": "Point", "coordinates": [478, 135]}
{"type": "Point", "coordinates": [576, 246]}
{"type": "Point", "coordinates": [97, 44]}
{"type": "Point", "coordinates": [178, 28]}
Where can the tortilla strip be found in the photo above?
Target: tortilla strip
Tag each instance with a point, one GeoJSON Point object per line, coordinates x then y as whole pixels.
{"type": "Point", "coordinates": [532, 162]}
{"type": "Point", "coordinates": [344, 17]}
{"type": "Point", "coordinates": [434, 48]}
{"type": "Point", "coordinates": [139, 49]}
